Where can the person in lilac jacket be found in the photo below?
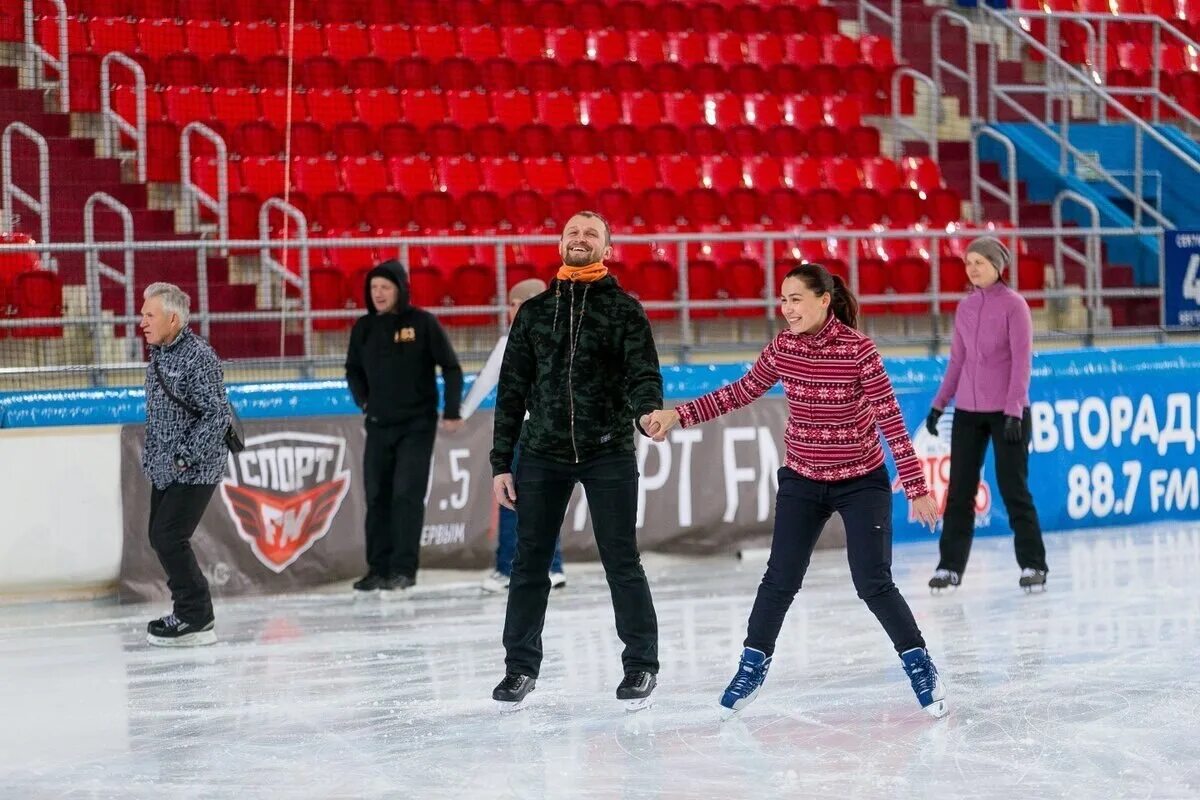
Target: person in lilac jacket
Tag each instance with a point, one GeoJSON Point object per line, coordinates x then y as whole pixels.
{"type": "Point", "coordinates": [991, 359]}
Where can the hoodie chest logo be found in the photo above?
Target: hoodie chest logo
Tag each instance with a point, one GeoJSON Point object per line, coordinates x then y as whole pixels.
{"type": "Point", "coordinates": [405, 335]}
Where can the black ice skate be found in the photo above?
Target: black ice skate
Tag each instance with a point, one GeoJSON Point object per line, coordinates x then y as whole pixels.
{"type": "Point", "coordinates": [171, 631]}
{"type": "Point", "coordinates": [943, 579]}
{"type": "Point", "coordinates": [511, 691]}
{"type": "Point", "coordinates": [369, 583]}
{"type": "Point", "coordinates": [635, 690]}
{"type": "Point", "coordinates": [397, 583]}
{"type": "Point", "coordinates": [1033, 579]}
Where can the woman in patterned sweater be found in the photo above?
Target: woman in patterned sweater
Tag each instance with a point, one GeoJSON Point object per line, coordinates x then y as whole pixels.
{"type": "Point", "coordinates": [837, 393]}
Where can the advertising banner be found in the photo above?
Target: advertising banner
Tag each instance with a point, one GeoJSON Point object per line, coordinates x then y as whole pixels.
{"type": "Point", "coordinates": [1114, 440]}
{"type": "Point", "coordinates": [289, 512]}
{"type": "Point", "coordinates": [1114, 443]}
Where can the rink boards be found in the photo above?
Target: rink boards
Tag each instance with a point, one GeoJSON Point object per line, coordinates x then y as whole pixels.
{"type": "Point", "coordinates": [1115, 437]}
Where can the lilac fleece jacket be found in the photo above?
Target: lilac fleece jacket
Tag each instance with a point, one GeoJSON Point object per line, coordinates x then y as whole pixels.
{"type": "Point", "coordinates": [992, 353]}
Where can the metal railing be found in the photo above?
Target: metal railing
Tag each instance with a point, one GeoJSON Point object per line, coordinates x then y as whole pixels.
{"type": "Point", "coordinates": [38, 58]}
{"type": "Point", "coordinates": [892, 19]}
{"type": "Point", "coordinates": [114, 123]}
{"type": "Point", "coordinates": [1088, 258]}
{"type": "Point", "coordinates": [1096, 27]}
{"type": "Point", "coordinates": [194, 195]}
{"type": "Point", "coordinates": [693, 325]}
{"type": "Point", "coordinates": [96, 269]}
{"type": "Point", "coordinates": [271, 267]}
{"type": "Point", "coordinates": [934, 111]}
{"type": "Point", "coordinates": [1070, 81]}
{"type": "Point", "coordinates": [941, 66]}
{"type": "Point", "coordinates": [981, 186]}
{"type": "Point", "coordinates": [12, 193]}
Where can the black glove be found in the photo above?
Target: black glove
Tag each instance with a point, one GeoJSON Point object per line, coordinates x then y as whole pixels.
{"type": "Point", "coordinates": [1012, 430]}
{"type": "Point", "coordinates": [932, 420]}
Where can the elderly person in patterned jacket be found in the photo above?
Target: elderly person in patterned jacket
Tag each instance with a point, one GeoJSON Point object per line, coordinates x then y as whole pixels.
{"type": "Point", "coordinates": [184, 457]}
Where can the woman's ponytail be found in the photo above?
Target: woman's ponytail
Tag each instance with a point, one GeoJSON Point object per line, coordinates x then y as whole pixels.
{"type": "Point", "coordinates": [843, 302]}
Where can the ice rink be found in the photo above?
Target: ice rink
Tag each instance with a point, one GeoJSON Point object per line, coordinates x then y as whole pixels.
{"type": "Point", "coordinates": [1090, 690]}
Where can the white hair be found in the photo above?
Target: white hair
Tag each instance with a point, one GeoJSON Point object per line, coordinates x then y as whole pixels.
{"type": "Point", "coordinates": [174, 300]}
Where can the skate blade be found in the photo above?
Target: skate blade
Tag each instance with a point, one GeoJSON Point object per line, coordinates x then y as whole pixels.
{"type": "Point", "coordinates": [727, 713]}
{"type": "Point", "coordinates": [937, 709]}
{"type": "Point", "coordinates": [200, 639]}
{"type": "Point", "coordinates": [638, 704]}
{"type": "Point", "coordinates": [507, 707]}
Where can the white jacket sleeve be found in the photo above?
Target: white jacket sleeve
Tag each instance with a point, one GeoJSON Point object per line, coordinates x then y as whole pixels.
{"type": "Point", "coordinates": [486, 380]}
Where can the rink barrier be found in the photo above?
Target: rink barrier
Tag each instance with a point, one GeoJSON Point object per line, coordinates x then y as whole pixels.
{"type": "Point", "coordinates": [321, 398]}
{"type": "Point", "coordinates": [1114, 443]}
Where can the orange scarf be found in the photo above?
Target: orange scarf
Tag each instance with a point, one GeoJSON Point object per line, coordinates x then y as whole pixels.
{"type": "Point", "coordinates": [589, 274]}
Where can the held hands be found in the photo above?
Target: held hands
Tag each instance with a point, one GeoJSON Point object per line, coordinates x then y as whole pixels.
{"type": "Point", "coordinates": [452, 425]}
{"type": "Point", "coordinates": [1013, 434]}
{"type": "Point", "coordinates": [931, 421]}
{"type": "Point", "coordinates": [926, 511]}
{"type": "Point", "coordinates": [657, 423]}
{"type": "Point", "coordinates": [505, 491]}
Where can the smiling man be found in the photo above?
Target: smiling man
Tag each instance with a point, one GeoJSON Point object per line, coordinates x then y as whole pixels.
{"type": "Point", "coordinates": [581, 361]}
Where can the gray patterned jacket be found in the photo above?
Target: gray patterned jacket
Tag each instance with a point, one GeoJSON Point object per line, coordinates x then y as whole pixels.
{"type": "Point", "coordinates": [193, 371]}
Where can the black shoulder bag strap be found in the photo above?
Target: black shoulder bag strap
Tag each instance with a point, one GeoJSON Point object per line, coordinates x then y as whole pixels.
{"type": "Point", "coordinates": [235, 438]}
{"type": "Point", "coordinates": [195, 412]}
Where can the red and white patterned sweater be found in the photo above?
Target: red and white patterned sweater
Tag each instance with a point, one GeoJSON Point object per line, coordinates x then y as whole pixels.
{"type": "Point", "coordinates": [837, 392]}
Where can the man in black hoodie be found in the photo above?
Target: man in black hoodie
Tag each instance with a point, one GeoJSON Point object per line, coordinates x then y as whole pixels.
{"type": "Point", "coordinates": [390, 368]}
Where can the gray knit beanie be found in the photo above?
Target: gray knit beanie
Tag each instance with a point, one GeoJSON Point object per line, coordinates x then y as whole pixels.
{"type": "Point", "coordinates": [993, 250]}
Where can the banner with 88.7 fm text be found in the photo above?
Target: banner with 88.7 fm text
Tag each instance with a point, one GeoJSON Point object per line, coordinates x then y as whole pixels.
{"type": "Point", "coordinates": [1115, 438]}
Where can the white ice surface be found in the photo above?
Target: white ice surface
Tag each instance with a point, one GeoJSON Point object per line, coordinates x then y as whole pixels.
{"type": "Point", "coordinates": [1086, 691]}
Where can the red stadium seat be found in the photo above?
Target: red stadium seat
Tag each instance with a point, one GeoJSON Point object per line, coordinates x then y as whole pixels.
{"type": "Point", "coordinates": [565, 45]}
{"type": "Point", "coordinates": [545, 174]}
{"type": "Point", "coordinates": [345, 41]}
{"type": "Point", "coordinates": [463, 73]}
{"type": "Point", "coordinates": [36, 294]}
{"type": "Point", "coordinates": [458, 176]}
{"type": "Point", "coordinates": [328, 290]}
{"type": "Point", "coordinates": [255, 40]}
{"type": "Point", "coordinates": [599, 109]}
{"type": "Point", "coordinates": [590, 173]}
{"type": "Point", "coordinates": [400, 139]}
{"type": "Point", "coordinates": [467, 108]}
{"type": "Point", "coordinates": [387, 211]}
{"type": "Point", "coordinates": [722, 173]}
{"type": "Point", "coordinates": [503, 176]}
{"type": "Point", "coordinates": [390, 41]}
{"type": "Point", "coordinates": [206, 38]}
{"type": "Point", "coordinates": [422, 108]}
{"type": "Point", "coordinates": [411, 175]}
{"type": "Point", "coordinates": [435, 42]}
{"type": "Point", "coordinates": [365, 176]}
{"type": "Point", "coordinates": [330, 105]}
{"type": "Point", "coordinates": [679, 173]}
{"type": "Point", "coordinates": [556, 108]}
{"type": "Point", "coordinates": [523, 44]}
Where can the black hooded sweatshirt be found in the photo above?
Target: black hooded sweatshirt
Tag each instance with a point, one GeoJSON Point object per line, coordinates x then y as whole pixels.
{"type": "Point", "coordinates": [391, 358]}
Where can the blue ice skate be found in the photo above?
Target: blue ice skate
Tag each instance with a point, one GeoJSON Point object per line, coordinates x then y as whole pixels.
{"type": "Point", "coordinates": [925, 681]}
{"type": "Point", "coordinates": [741, 691]}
